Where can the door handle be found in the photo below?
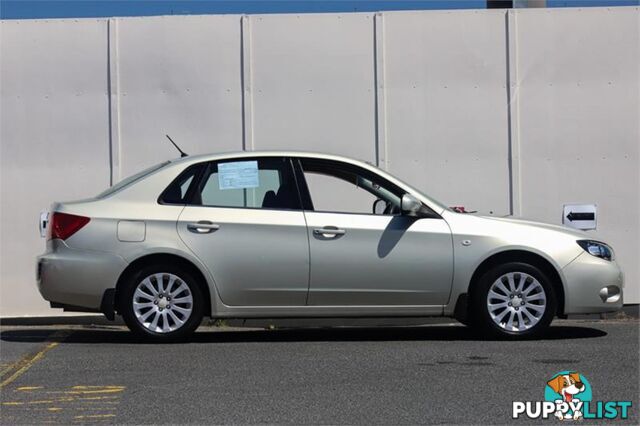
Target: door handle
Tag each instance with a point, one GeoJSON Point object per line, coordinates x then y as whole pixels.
{"type": "Point", "coordinates": [333, 231]}
{"type": "Point", "coordinates": [203, 227]}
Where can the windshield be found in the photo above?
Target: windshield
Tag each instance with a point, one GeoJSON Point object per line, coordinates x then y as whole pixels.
{"type": "Point", "coordinates": [128, 181]}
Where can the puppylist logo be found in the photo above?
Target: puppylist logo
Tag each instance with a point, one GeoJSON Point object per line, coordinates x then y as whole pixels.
{"type": "Point", "coordinates": [568, 397]}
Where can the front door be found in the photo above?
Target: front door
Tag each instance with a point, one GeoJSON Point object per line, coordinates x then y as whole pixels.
{"type": "Point", "coordinates": [246, 225]}
{"type": "Point", "coordinates": [363, 251]}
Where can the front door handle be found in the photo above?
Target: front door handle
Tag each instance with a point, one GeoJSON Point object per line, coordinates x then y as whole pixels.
{"type": "Point", "coordinates": [329, 231]}
{"type": "Point", "coordinates": [202, 227]}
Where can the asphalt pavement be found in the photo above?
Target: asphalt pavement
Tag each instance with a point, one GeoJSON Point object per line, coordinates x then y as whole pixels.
{"type": "Point", "coordinates": [433, 374]}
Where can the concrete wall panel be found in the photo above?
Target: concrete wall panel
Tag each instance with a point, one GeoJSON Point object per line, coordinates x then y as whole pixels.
{"type": "Point", "coordinates": [54, 138]}
{"type": "Point", "coordinates": [312, 83]}
{"type": "Point", "coordinates": [178, 76]}
{"type": "Point", "coordinates": [446, 104]}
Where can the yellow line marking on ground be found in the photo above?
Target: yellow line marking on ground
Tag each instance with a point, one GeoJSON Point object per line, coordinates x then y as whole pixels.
{"type": "Point", "coordinates": [82, 392]}
{"type": "Point", "coordinates": [94, 404]}
{"type": "Point", "coordinates": [29, 388]}
{"type": "Point", "coordinates": [29, 360]}
{"type": "Point", "coordinates": [86, 404]}
{"type": "Point", "coordinates": [98, 397]}
{"type": "Point", "coordinates": [95, 416]}
{"type": "Point", "coordinates": [106, 389]}
{"type": "Point", "coordinates": [98, 387]}
{"type": "Point", "coordinates": [65, 399]}
{"type": "Point", "coordinates": [7, 368]}
{"type": "Point", "coordinates": [27, 363]}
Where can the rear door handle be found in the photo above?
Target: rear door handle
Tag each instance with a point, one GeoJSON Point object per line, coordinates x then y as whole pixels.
{"type": "Point", "coordinates": [329, 231]}
{"type": "Point", "coordinates": [203, 227]}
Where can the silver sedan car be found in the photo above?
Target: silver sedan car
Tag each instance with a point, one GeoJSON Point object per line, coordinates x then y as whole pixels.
{"type": "Point", "coordinates": [293, 234]}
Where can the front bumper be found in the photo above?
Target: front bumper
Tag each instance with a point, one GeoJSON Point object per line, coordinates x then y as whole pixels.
{"type": "Point", "coordinates": [592, 285]}
{"type": "Point", "coordinates": [77, 277]}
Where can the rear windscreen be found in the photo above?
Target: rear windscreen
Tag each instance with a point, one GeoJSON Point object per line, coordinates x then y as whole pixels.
{"type": "Point", "coordinates": [131, 179]}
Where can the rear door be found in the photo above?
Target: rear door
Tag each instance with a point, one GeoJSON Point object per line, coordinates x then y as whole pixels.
{"type": "Point", "coordinates": [246, 224]}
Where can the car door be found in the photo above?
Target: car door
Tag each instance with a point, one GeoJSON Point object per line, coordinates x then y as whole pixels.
{"type": "Point", "coordinates": [245, 223]}
{"type": "Point", "coordinates": [359, 257]}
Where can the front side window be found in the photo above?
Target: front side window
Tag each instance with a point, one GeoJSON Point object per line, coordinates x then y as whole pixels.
{"type": "Point", "coordinates": [249, 183]}
{"type": "Point", "coordinates": [344, 188]}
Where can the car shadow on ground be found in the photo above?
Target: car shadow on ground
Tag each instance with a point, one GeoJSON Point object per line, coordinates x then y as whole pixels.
{"type": "Point", "coordinates": [117, 335]}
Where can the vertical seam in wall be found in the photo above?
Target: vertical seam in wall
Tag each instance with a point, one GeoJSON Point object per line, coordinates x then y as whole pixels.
{"type": "Point", "coordinates": [113, 101]}
{"type": "Point", "coordinates": [379, 93]}
{"type": "Point", "coordinates": [513, 114]}
{"type": "Point", "coordinates": [246, 83]}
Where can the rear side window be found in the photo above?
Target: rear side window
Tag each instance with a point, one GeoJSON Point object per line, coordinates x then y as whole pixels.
{"type": "Point", "coordinates": [180, 190]}
{"type": "Point", "coordinates": [249, 183]}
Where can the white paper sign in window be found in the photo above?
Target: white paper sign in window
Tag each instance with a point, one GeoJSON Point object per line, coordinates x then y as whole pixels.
{"type": "Point", "coordinates": [238, 175]}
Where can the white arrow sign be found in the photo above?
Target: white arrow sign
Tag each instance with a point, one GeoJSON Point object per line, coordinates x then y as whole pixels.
{"type": "Point", "coordinates": [580, 216]}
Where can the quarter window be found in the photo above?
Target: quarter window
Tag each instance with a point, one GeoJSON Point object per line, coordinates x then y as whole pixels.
{"type": "Point", "coordinates": [178, 191]}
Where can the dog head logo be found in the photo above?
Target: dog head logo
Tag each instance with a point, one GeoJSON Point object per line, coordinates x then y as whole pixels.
{"type": "Point", "coordinates": [569, 390]}
{"type": "Point", "coordinates": [567, 385]}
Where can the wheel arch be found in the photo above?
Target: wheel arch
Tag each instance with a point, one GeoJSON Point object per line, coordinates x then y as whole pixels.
{"type": "Point", "coordinates": [163, 258]}
{"type": "Point", "coordinates": [534, 259]}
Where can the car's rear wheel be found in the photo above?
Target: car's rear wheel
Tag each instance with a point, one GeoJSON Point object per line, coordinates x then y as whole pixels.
{"type": "Point", "coordinates": [162, 303]}
{"type": "Point", "coordinates": [514, 300]}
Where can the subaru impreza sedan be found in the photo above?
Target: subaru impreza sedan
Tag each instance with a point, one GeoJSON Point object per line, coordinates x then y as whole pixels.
{"type": "Point", "coordinates": [292, 234]}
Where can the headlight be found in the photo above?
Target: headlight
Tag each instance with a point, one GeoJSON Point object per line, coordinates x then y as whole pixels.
{"type": "Point", "coordinates": [596, 248]}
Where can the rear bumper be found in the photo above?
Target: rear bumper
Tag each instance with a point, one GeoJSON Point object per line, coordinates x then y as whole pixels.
{"type": "Point", "coordinates": [77, 277]}
{"type": "Point", "coordinates": [593, 285]}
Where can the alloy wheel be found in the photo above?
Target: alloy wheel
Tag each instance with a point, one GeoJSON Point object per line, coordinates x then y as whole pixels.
{"type": "Point", "coordinates": [162, 303]}
{"type": "Point", "coordinates": [516, 301]}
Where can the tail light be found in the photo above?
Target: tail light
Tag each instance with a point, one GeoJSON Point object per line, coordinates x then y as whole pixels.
{"type": "Point", "coordinates": [64, 225]}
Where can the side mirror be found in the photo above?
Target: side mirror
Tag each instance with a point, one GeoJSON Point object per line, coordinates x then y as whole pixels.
{"type": "Point", "coordinates": [411, 206]}
{"type": "Point", "coordinates": [379, 206]}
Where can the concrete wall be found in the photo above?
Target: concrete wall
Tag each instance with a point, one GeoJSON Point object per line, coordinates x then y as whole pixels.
{"type": "Point", "coordinates": [512, 112]}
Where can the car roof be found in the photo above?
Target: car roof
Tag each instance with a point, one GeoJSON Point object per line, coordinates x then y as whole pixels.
{"type": "Point", "coordinates": [267, 153]}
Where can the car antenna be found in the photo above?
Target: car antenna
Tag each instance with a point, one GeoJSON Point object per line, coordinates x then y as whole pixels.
{"type": "Point", "coordinates": [182, 153]}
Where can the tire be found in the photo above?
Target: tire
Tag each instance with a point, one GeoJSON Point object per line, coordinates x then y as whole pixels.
{"type": "Point", "coordinates": [165, 313]}
{"type": "Point", "coordinates": [505, 306]}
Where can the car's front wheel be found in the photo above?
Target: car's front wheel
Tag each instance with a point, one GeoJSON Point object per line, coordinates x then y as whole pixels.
{"type": "Point", "coordinates": [514, 300]}
{"type": "Point", "coordinates": [161, 303]}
